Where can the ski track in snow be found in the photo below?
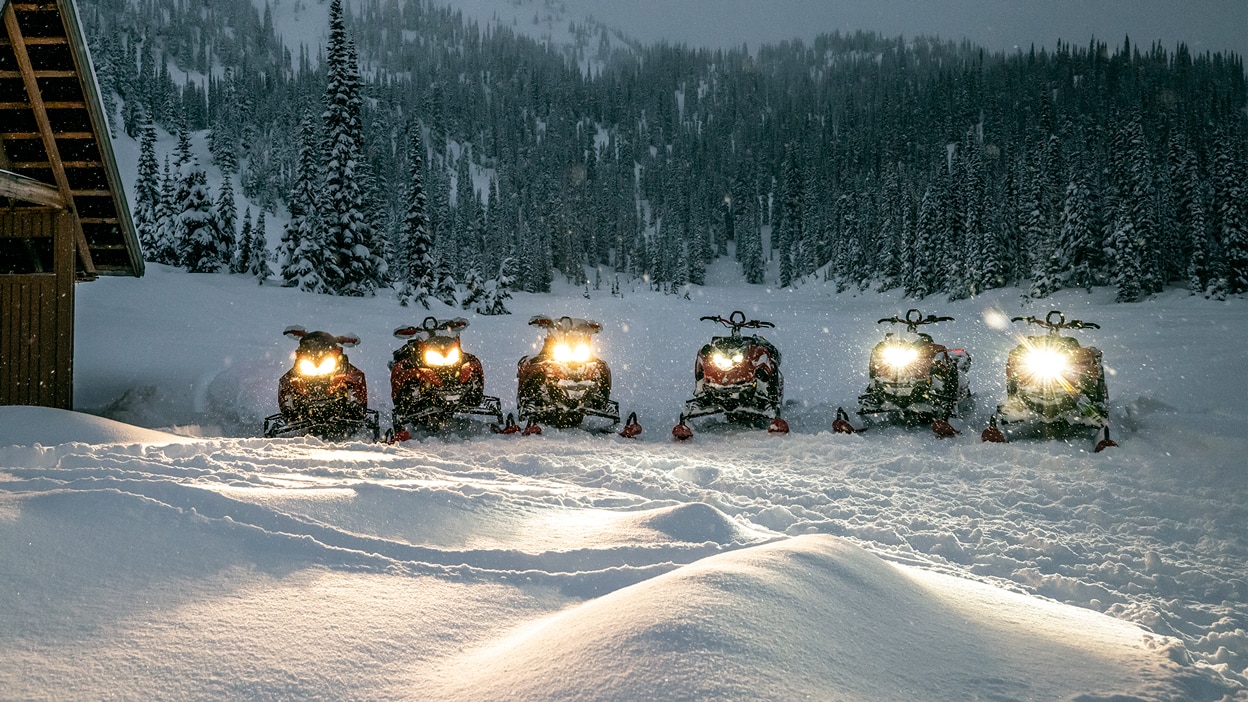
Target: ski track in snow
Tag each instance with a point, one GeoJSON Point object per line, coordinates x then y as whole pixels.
{"type": "Point", "coordinates": [1092, 535]}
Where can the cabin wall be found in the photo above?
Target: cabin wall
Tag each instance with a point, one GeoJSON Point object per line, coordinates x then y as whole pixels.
{"type": "Point", "coordinates": [37, 314]}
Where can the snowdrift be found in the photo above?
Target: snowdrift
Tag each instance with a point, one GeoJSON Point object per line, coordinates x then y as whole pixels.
{"type": "Point", "coordinates": [817, 618]}
{"type": "Point", "coordinates": [27, 426]}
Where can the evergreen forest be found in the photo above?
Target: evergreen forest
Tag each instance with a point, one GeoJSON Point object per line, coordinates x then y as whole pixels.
{"type": "Point", "coordinates": [420, 151]}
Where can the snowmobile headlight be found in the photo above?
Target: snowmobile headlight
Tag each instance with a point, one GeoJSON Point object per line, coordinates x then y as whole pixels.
{"type": "Point", "coordinates": [565, 353]}
{"type": "Point", "coordinates": [1046, 365]}
{"type": "Point", "coordinates": [898, 357]}
{"type": "Point", "coordinates": [723, 361]}
{"type": "Point", "coordinates": [433, 357]}
{"type": "Point", "coordinates": [327, 365]}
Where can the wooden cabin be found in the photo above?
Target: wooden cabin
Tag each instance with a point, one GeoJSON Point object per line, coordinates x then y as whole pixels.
{"type": "Point", "coordinates": [63, 212]}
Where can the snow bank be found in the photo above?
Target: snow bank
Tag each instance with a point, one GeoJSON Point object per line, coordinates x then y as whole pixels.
{"type": "Point", "coordinates": [27, 426]}
{"type": "Point", "coordinates": [816, 618]}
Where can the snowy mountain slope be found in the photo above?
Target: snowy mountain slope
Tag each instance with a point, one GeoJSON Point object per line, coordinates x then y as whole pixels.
{"type": "Point", "coordinates": [241, 567]}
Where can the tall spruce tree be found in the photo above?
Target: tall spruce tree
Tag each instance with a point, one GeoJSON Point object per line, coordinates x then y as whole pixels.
{"type": "Point", "coordinates": [147, 193]}
{"type": "Point", "coordinates": [302, 247]}
{"type": "Point", "coordinates": [353, 263]}
{"type": "Point", "coordinates": [416, 279]}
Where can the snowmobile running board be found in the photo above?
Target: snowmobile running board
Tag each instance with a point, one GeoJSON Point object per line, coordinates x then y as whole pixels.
{"type": "Point", "coordinates": [276, 427]}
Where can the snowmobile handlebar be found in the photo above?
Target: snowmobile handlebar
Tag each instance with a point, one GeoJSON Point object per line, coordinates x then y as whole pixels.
{"type": "Point", "coordinates": [736, 322]}
{"type": "Point", "coordinates": [913, 319]}
{"type": "Point", "coordinates": [1061, 322]}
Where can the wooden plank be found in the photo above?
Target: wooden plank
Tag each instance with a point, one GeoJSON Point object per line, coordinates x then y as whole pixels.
{"type": "Point", "coordinates": [20, 187]}
{"type": "Point", "coordinates": [45, 73]}
{"type": "Point", "coordinates": [62, 324]}
{"type": "Point", "coordinates": [28, 165]}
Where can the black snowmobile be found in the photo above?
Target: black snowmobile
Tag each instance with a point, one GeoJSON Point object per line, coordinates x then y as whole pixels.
{"type": "Point", "coordinates": [323, 395]}
{"type": "Point", "coordinates": [432, 379]}
{"type": "Point", "coordinates": [738, 376]}
{"type": "Point", "coordinates": [913, 379]}
{"type": "Point", "coordinates": [1053, 382]}
{"type": "Point", "coordinates": [565, 382]}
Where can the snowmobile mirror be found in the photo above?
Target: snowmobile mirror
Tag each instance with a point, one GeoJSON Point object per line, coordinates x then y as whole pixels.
{"type": "Point", "coordinates": [405, 332]}
{"type": "Point", "coordinates": [294, 331]}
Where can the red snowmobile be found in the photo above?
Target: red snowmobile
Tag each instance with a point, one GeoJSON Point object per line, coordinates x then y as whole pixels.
{"type": "Point", "coordinates": [738, 376]}
{"type": "Point", "coordinates": [432, 379]}
{"type": "Point", "coordinates": [564, 382]}
{"type": "Point", "coordinates": [323, 395]}
{"type": "Point", "coordinates": [1053, 381]}
{"type": "Point", "coordinates": [915, 380]}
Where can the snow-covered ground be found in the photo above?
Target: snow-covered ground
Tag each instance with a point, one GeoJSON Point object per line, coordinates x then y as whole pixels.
{"type": "Point", "coordinates": [152, 546]}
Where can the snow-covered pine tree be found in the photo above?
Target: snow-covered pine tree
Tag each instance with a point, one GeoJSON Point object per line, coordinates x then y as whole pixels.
{"type": "Point", "coordinates": [166, 248]}
{"type": "Point", "coordinates": [1231, 207]}
{"type": "Point", "coordinates": [301, 250]}
{"type": "Point", "coordinates": [147, 193]}
{"type": "Point", "coordinates": [258, 246]}
{"type": "Point", "coordinates": [1077, 241]}
{"type": "Point", "coordinates": [1124, 248]}
{"type": "Point", "coordinates": [788, 231]}
{"type": "Point", "coordinates": [242, 251]}
{"type": "Point", "coordinates": [474, 288]}
{"type": "Point", "coordinates": [446, 290]}
{"type": "Point", "coordinates": [918, 276]}
{"type": "Point", "coordinates": [227, 216]}
{"type": "Point", "coordinates": [416, 275]}
{"type": "Point", "coordinates": [750, 245]}
{"type": "Point", "coordinates": [203, 244]}
{"type": "Point", "coordinates": [353, 265]}
{"type": "Point", "coordinates": [497, 290]}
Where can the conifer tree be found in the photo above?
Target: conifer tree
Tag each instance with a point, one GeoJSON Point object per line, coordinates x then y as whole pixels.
{"type": "Point", "coordinates": [299, 261]}
{"type": "Point", "coordinates": [446, 290]}
{"type": "Point", "coordinates": [258, 248]}
{"type": "Point", "coordinates": [416, 274]}
{"type": "Point", "coordinates": [203, 244]}
{"type": "Point", "coordinates": [1077, 245]}
{"type": "Point", "coordinates": [227, 215]}
{"type": "Point", "coordinates": [147, 194]}
{"type": "Point", "coordinates": [1128, 267]}
{"type": "Point", "coordinates": [353, 264]}
{"type": "Point", "coordinates": [242, 250]}
{"type": "Point", "coordinates": [1231, 203]}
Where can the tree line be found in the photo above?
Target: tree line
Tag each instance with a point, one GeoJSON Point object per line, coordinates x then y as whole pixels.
{"type": "Point", "coordinates": [934, 167]}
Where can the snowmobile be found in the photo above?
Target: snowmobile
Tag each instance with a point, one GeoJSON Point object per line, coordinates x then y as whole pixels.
{"type": "Point", "coordinates": [914, 379]}
{"type": "Point", "coordinates": [564, 382]}
{"type": "Point", "coordinates": [432, 379]}
{"type": "Point", "coordinates": [323, 395]}
{"type": "Point", "coordinates": [738, 376]}
{"type": "Point", "coordinates": [1053, 381]}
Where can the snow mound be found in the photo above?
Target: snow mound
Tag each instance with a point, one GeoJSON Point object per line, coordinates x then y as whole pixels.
{"type": "Point", "coordinates": [27, 426]}
{"type": "Point", "coordinates": [817, 618]}
{"type": "Point", "coordinates": [695, 523]}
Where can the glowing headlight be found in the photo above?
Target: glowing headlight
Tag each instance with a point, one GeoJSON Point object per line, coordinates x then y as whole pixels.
{"type": "Point", "coordinates": [899, 357]}
{"type": "Point", "coordinates": [569, 354]}
{"type": "Point", "coordinates": [723, 361]}
{"type": "Point", "coordinates": [328, 365]}
{"type": "Point", "coordinates": [433, 357]}
{"type": "Point", "coordinates": [1046, 364]}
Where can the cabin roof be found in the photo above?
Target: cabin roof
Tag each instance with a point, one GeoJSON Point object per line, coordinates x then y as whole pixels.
{"type": "Point", "coordinates": [55, 145]}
